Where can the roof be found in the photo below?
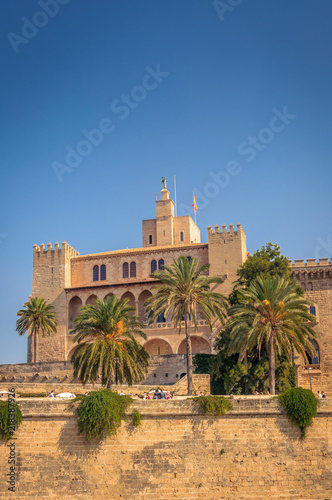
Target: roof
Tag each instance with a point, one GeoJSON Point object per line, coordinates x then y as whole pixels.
{"type": "Point", "coordinates": [133, 251]}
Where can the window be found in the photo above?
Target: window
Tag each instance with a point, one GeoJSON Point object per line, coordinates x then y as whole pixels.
{"type": "Point", "coordinates": [313, 310]}
{"type": "Point", "coordinates": [103, 272]}
{"type": "Point", "coordinates": [153, 266]}
{"type": "Point", "coordinates": [125, 270]}
{"type": "Point", "coordinates": [314, 360]}
{"type": "Point", "coordinates": [309, 286]}
{"type": "Point", "coordinates": [189, 259]}
{"type": "Point", "coordinates": [181, 236]}
{"type": "Point", "coordinates": [150, 239]}
{"type": "Point", "coordinates": [133, 269]}
{"type": "Point", "coordinates": [161, 264]}
{"type": "Point", "coordinates": [95, 273]}
{"type": "Point", "coordinates": [161, 318]}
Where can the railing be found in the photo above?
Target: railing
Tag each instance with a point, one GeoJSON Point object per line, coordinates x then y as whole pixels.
{"type": "Point", "coordinates": [312, 367]}
{"type": "Point", "coordinates": [154, 326]}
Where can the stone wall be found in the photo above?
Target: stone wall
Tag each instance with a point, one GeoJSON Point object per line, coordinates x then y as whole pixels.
{"type": "Point", "coordinates": [176, 454]}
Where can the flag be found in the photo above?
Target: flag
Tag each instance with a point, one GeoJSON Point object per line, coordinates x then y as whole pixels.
{"type": "Point", "coordinates": [194, 202]}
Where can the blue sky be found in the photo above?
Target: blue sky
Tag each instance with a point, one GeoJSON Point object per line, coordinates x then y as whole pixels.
{"type": "Point", "coordinates": [240, 94]}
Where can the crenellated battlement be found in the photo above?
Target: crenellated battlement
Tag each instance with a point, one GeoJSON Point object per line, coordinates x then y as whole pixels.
{"type": "Point", "coordinates": [224, 233]}
{"type": "Point", "coordinates": [310, 263]}
{"type": "Point", "coordinates": [53, 256]}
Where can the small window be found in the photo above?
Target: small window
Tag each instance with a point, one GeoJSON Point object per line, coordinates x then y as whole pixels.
{"type": "Point", "coordinates": [103, 272]}
{"type": "Point", "coordinates": [181, 236]}
{"type": "Point", "coordinates": [314, 360]}
{"type": "Point", "coordinates": [166, 374]}
{"type": "Point", "coordinates": [313, 310]}
{"type": "Point", "coordinates": [161, 264]}
{"type": "Point", "coordinates": [125, 270]}
{"type": "Point", "coordinates": [133, 269]}
{"type": "Point", "coordinates": [150, 239]}
{"type": "Point", "coordinates": [95, 273]}
{"type": "Point", "coordinates": [153, 266]}
{"type": "Point", "coordinates": [309, 286]}
{"type": "Point", "coordinates": [189, 259]}
{"type": "Point", "coordinates": [161, 318]}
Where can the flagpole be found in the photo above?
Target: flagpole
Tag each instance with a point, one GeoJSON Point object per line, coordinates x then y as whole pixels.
{"type": "Point", "coordinates": [176, 208]}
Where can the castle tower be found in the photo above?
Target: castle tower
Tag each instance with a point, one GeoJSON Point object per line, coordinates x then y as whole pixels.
{"type": "Point", "coordinates": [227, 252]}
{"type": "Point", "coordinates": [166, 229]}
{"type": "Point", "coordinates": [50, 276]}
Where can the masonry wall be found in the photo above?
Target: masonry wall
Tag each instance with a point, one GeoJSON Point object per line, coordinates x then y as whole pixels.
{"type": "Point", "coordinates": [177, 453]}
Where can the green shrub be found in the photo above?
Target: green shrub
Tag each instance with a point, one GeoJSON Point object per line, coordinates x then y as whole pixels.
{"type": "Point", "coordinates": [32, 395]}
{"type": "Point", "coordinates": [214, 405]}
{"type": "Point", "coordinates": [300, 405]}
{"type": "Point", "coordinates": [100, 413]}
{"type": "Point", "coordinates": [10, 419]}
{"type": "Point", "coordinates": [137, 417]}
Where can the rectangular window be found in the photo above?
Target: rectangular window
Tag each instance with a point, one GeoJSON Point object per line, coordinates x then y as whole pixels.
{"type": "Point", "coordinates": [181, 236]}
{"type": "Point", "coordinates": [150, 239]}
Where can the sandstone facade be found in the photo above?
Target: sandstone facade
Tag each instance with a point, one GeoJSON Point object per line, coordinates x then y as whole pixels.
{"type": "Point", "coordinates": [69, 280]}
{"type": "Point", "coordinates": [177, 453]}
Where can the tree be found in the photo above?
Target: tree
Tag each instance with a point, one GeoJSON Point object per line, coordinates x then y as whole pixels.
{"type": "Point", "coordinates": [271, 312]}
{"type": "Point", "coordinates": [36, 316]}
{"type": "Point", "coordinates": [107, 346]}
{"type": "Point", "coordinates": [184, 291]}
{"type": "Point", "coordinates": [268, 261]}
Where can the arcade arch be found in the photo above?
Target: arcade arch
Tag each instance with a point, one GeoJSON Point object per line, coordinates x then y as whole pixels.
{"type": "Point", "coordinates": [157, 347]}
{"type": "Point", "coordinates": [198, 344]}
{"type": "Point", "coordinates": [73, 307]}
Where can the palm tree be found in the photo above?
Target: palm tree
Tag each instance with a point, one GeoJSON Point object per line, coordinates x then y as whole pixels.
{"type": "Point", "coordinates": [184, 291]}
{"type": "Point", "coordinates": [107, 345]}
{"type": "Point", "coordinates": [271, 311]}
{"type": "Point", "coordinates": [36, 316]}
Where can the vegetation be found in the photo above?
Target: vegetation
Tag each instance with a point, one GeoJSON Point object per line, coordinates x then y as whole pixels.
{"type": "Point", "coordinates": [301, 407]}
{"type": "Point", "coordinates": [36, 316]}
{"type": "Point", "coordinates": [101, 413]}
{"type": "Point", "coordinates": [32, 394]}
{"type": "Point", "coordinates": [271, 312]}
{"type": "Point", "coordinates": [10, 419]}
{"type": "Point", "coordinates": [107, 345]}
{"type": "Point", "coordinates": [213, 405]}
{"type": "Point", "coordinates": [137, 417]}
{"type": "Point", "coordinates": [183, 293]}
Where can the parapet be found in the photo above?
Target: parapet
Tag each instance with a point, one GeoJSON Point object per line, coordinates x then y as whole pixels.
{"type": "Point", "coordinates": [52, 256]}
{"type": "Point", "coordinates": [224, 232]}
{"type": "Point", "coordinates": [310, 263]}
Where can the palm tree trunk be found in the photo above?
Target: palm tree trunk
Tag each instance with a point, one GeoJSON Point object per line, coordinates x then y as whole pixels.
{"type": "Point", "coordinates": [35, 344]}
{"type": "Point", "coordinates": [109, 383]}
{"type": "Point", "coordinates": [189, 357]}
{"type": "Point", "coordinates": [272, 367]}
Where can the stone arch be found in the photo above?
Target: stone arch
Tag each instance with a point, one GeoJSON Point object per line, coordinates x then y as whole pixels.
{"type": "Point", "coordinates": [157, 347]}
{"type": "Point", "coordinates": [130, 296]}
{"type": "Point", "coordinates": [73, 307]}
{"type": "Point", "coordinates": [316, 359]}
{"type": "Point", "coordinates": [110, 295]}
{"type": "Point", "coordinates": [199, 345]}
{"type": "Point", "coordinates": [91, 300]}
{"type": "Point", "coordinates": [309, 286]}
{"type": "Point", "coordinates": [141, 308]}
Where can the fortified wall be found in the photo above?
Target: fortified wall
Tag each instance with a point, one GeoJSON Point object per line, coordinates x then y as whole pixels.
{"type": "Point", "coordinates": [177, 453]}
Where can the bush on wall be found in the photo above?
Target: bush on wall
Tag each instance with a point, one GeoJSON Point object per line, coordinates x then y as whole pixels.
{"type": "Point", "coordinates": [214, 405]}
{"type": "Point", "coordinates": [301, 407]}
{"type": "Point", "coordinates": [100, 414]}
{"type": "Point", "coordinates": [10, 419]}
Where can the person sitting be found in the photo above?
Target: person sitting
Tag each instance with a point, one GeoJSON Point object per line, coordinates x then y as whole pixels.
{"type": "Point", "coordinates": [51, 394]}
{"type": "Point", "coordinates": [148, 396]}
{"type": "Point", "coordinates": [156, 395]}
{"type": "Point", "coordinates": [122, 393]}
{"type": "Point", "coordinates": [323, 394]}
{"type": "Point", "coordinates": [162, 395]}
{"type": "Point", "coordinates": [319, 394]}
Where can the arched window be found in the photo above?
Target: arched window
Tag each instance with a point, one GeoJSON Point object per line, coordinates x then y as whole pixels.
{"type": "Point", "coordinates": [313, 310]}
{"type": "Point", "coordinates": [161, 318]}
{"type": "Point", "coordinates": [314, 360]}
{"type": "Point", "coordinates": [95, 273]}
{"type": "Point", "coordinates": [125, 270]}
{"type": "Point", "coordinates": [133, 269]}
{"type": "Point", "coordinates": [181, 236]}
{"type": "Point", "coordinates": [304, 286]}
{"type": "Point", "coordinates": [103, 272]}
{"type": "Point", "coordinates": [161, 264]}
{"type": "Point", "coordinates": [310, 286]}
{"type": "Point", "coordinates": [189, 258]}
{"type": "Point", "coordinates": [153, 266]}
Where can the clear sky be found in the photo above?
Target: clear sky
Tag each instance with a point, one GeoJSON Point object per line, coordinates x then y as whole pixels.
{"type": "Point", "coordinates": [231, 96]}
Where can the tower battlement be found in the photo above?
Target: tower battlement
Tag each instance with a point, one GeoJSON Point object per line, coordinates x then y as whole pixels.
{"type": "Point", "coordinates": [310, 263]}
{"type": "Point", "coordinates": [47, 256]}
{"type": "Point", "coordinates": [224, 233]}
